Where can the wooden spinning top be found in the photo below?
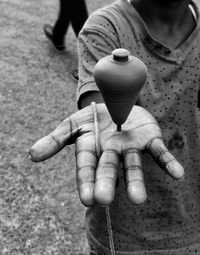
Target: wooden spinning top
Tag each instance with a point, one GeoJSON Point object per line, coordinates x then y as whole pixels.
{"type": "Point", "coordinates": [120, 78]}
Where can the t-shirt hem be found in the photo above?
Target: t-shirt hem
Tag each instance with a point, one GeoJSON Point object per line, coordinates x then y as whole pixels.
{"type": "Point", "coordinates": [101, 249]}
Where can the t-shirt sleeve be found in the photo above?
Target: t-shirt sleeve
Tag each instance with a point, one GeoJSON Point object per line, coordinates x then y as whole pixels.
{"type": "Point", "coordinates": [96, 40]}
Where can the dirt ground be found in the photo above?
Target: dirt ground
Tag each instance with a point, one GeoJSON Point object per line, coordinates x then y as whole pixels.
{"type": "Point", "coordinates": [40, 213]}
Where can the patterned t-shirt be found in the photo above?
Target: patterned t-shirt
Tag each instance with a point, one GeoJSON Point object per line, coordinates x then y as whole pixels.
{"type": "Point", "coordinates": [169, 221]}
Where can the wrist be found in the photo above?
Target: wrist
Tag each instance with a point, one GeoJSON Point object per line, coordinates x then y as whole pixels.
{"type": "Point", "coordinates": [88, 97]}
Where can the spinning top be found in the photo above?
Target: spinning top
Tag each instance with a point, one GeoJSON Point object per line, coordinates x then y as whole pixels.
{"type": "Point", "coordinates": [120, 78]}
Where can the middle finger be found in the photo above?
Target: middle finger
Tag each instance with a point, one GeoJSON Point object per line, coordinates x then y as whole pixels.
{"type": "Point", "coordinates": [106, 177]}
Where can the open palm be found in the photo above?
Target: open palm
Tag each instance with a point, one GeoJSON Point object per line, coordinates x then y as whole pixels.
{"type": "Point", "coordinates": [100, 149]}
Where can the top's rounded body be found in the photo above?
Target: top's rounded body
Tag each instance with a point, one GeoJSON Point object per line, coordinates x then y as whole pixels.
{"type": "Point", "coordinates": [120, 78]}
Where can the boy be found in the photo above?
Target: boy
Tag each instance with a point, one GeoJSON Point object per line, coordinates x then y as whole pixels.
{"type": "Point", "coordinates": [165, 36]}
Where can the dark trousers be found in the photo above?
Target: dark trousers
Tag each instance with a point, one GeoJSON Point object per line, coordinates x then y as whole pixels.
{"type": "Point", "coordinates": [71, 11]}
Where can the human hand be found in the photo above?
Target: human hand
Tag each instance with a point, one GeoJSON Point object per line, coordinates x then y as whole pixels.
{"type": "Point", "coordinates": [98, 153]}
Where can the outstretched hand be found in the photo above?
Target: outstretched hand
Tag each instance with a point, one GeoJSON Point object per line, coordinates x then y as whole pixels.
{"type": "Point", "coordinates": [97, 168]}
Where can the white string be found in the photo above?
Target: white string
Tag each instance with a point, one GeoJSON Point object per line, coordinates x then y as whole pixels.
{"type": "Point", "coordinates": [109, 228]}
{"type": "Point", "coordinates": [107, 210]}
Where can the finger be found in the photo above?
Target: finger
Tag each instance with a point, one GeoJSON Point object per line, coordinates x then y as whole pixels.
{"type": "Point", "coordinates": [134, 176]}
{"type": "Point", "coordinates": [106, 176]}
{"type": "Point", "coordinates": [49, 145]}
{"type": "Point", "coordinates": [86, 163]}
{"type": "Point", "coordinates": [165, 159]}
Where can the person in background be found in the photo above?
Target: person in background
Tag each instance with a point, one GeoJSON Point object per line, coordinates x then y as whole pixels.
{"type": "Point", "coordinates": [151, 213]}
{"type": "Point", "coordinates": [71, 11]}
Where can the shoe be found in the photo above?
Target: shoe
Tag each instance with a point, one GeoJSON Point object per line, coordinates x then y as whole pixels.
{"type": "Point", "coordinates": [48, 30]}
{"type": "Point", "coordinates": [75, 74]}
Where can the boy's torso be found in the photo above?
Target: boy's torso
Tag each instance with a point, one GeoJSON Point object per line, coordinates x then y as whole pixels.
{"type": "Point", "coordinates": [169, 221]}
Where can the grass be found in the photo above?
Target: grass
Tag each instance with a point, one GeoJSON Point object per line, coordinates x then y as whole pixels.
{"type": "Point", "coordinates": [40, 212]}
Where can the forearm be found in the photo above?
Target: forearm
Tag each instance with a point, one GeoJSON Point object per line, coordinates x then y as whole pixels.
{"type": "Point", "coordinates": [91, 96]}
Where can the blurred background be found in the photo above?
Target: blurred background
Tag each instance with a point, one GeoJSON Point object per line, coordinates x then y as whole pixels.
{"type": "Point", "coordinates": [40, 212]}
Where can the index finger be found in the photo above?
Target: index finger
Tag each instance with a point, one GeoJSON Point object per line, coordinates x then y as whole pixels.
{"type": "Point", "coordinates": [51, 144]}
{"type": "Point", "coordinates": [86, 162]}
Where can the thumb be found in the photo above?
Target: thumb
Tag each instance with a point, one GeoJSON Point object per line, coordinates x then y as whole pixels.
{"type": "Point", "coordinates": [65, 134]}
